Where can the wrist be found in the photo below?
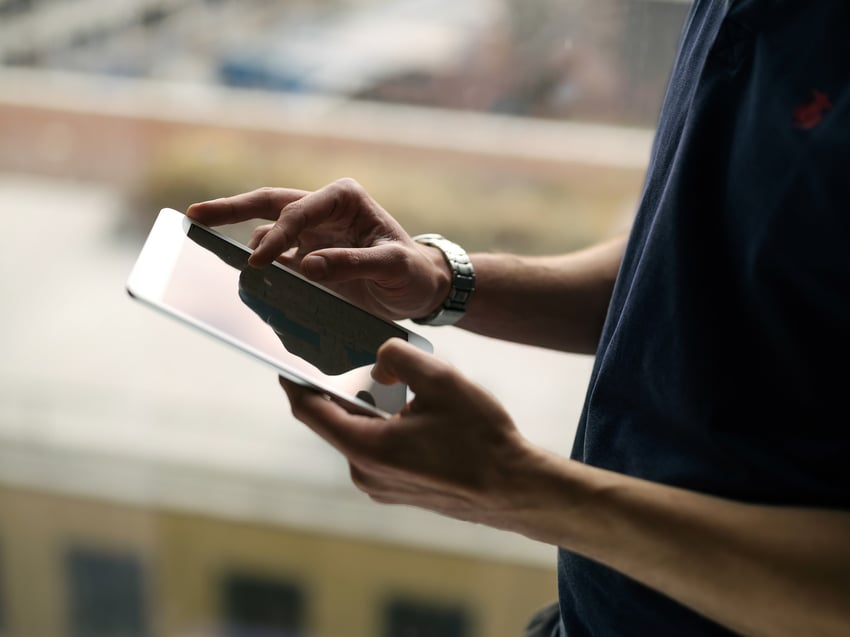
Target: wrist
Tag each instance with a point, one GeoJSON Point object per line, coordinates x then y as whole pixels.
{"type": "Point", "coordinates": [546, 496]}
{"type": "Point", "coordinates": [442, 278]}
{"type": "Point", "coordinates": [452, 262]}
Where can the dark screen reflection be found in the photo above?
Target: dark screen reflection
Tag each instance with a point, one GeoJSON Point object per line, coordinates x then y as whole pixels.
{"type": "Point", "coordinates": [334, 336]}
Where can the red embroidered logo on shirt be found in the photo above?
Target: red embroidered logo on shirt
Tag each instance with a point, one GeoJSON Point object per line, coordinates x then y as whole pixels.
{"type": "Point", "coordinates": [810, 114]}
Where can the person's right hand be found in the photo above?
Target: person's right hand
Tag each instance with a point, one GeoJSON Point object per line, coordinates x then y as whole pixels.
{"type": "Point", "coordinates": [340, 237]}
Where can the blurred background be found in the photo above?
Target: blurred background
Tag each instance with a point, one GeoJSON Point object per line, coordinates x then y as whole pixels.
{"type": "Point", "coordinates": [152, 481]}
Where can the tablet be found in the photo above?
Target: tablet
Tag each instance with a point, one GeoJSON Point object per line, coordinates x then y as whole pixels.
{"type": "Point", "coordinates": [307, 333]}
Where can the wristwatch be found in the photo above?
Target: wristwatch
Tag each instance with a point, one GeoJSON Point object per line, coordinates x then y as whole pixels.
{"type": "Point", "coordinates": [463, 281]}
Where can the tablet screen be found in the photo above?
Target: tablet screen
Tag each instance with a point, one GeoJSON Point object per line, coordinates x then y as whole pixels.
{"type": "Point", "coordinates": [327, 334]}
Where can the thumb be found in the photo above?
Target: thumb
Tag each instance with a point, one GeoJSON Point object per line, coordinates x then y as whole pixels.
{"type": "Point", "coordinates": [425, 374]}
{"type": "Point", "coordinates": [337, 265]}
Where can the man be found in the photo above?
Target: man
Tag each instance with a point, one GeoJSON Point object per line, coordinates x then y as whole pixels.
{"type": "Point", "coordinates": [709, 487]}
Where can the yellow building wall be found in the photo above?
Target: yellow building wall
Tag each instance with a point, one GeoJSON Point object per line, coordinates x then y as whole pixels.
{"type": "Point", "coordinates": [346, 581]}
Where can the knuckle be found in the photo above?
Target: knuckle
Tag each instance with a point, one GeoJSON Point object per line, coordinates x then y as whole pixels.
{"type": "Point", "coordinates": [297, 410]}
{"type": "Point", "coordinates": [364, 481]}
{"type": "Point", "coordinates": [352, 258]}
{"type": "Point", "coordinates": [358, 477]}
{"type": "Point", "coordinates": [260, 231]}
{"type": "Point", "coordinates": [267, 195]}
{"type": "Point", "coordinates": [287, 225]}
{"type": "Point", "coordinates": [293, 212]}
{"type": "Point", "coordinates": [397, 254]}
{"type": "Point", "coordinates": [296, 405]}
{"type": "Point", "coordinates": [266, 191]}
{"type": "Point", "coordinates": [348, 184]}
{"type": "Point", "coordinates": [347, 189]}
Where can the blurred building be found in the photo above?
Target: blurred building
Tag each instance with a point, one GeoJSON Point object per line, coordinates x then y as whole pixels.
{"type": "Point", "coordinates": [151, 482]}
{"type": "Point", "coordinates": [601, 60]}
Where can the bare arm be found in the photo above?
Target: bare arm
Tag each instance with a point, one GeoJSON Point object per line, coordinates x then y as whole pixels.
{"type": "Point", "coordinates": [763, 571]}
{"type": "Point", "coordinates": [557, 302]}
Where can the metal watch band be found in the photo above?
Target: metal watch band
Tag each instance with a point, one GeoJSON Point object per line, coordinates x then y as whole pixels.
{"type": "Point", "coordinates": [463, 281]}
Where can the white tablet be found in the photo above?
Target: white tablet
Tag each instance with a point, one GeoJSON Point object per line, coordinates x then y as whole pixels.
{"type": "Point", "coordinates": [307, 333]}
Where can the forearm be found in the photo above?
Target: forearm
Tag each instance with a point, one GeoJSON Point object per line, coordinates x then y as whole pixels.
{"type": "Point", "coordinates": [557, 302]}
{"type": "Point", "coordinates": [759, 570]}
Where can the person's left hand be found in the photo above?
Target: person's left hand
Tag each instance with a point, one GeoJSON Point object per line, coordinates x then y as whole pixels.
{"type": "Point", "coordinates": [453, 449]}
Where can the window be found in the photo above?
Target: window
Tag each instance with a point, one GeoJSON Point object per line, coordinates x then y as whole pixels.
{"type": "Point", "coordinates": [107, 594]}
{"type": "Point", "coordinates": [262, 607]}
{"type": "Point", "coordinates": [413, 618]}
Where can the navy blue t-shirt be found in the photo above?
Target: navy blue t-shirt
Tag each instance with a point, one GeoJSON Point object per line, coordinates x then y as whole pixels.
{"type": "Point", "coordinates": [723, 364]}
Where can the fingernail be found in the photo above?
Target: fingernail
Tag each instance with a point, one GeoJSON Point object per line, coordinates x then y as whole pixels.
{"type": "Point", "coordinates": [315, 267]}
{"type": "Point", "coordinates": [252, 261]}
{"type": "Point", "coordinates": [254, 258]}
